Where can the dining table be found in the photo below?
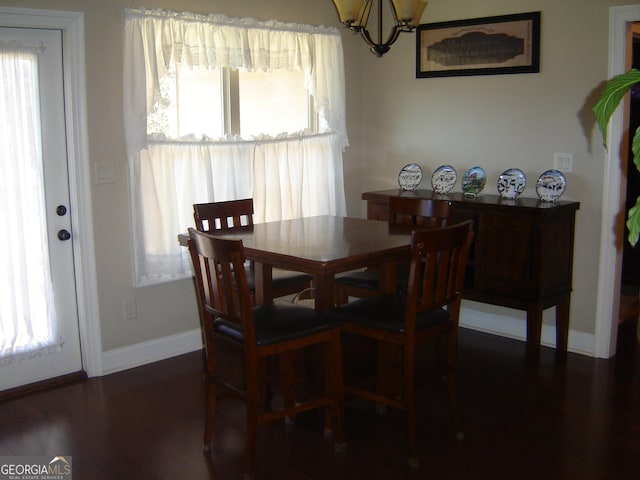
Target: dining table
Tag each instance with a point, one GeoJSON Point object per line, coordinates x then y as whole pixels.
{"type": "Point", "coordinates": [322, 246]}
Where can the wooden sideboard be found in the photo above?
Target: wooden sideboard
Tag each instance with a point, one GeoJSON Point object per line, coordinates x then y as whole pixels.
{"type": "Point", "coordinates": [522, 256]}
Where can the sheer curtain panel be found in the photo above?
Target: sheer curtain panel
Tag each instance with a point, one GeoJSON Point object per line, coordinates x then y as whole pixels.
{"type": "Point", "coordinates": [27, 313]}
{"type": "Point", "coordinates": [291, 175]}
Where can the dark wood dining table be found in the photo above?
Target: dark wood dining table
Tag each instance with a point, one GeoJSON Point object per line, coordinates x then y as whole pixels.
{"type": "Point", "coordinates": [323, 246]}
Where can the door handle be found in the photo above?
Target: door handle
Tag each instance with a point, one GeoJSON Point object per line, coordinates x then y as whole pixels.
{"type": "Point", "coordinates": [63, 235]}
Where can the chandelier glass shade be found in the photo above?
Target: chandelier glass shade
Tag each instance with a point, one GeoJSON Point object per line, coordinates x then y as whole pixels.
{"type": "Point", "coordinates": [354, 15]}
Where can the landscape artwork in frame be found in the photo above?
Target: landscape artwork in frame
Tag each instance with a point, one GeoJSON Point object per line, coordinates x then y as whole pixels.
{"type": "Point", "coordinates": [479, 46]}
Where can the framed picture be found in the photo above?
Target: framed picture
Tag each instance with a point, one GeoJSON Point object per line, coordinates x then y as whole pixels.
{"type": "Point", "coordinates": [479, 46]}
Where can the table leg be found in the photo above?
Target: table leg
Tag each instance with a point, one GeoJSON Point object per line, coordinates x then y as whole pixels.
{"type": "Point", "coordinates": [389, 357]}
{"type": "Point", "coordinates": [324, 292]}
{"type": "Point", "coordinates": [263, 283]}
{"type": "Point", "coordinates": [388, 280]}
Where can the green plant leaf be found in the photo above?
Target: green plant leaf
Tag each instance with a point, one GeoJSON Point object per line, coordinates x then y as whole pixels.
{"type": "Point", "coordinates": [633, 223]}
{"type": "Point", "coordinates": [611, 96]}
{"type": "Point", "coordinates": [635, 148]}
{"type": "Point", "coordinates": [633, 217]}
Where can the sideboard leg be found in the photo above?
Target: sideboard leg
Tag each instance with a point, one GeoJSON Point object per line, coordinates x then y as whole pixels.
{"type": "Point", "coordinates": [562, 324]}
{"type": "Point", "coordinates": [534, 330]}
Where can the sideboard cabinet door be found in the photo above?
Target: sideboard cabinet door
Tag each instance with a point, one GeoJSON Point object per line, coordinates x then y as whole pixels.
{"type": "Point", "coordinates": [503, 255]}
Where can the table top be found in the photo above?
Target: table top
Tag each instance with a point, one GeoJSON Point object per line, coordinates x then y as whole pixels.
{"type": "Point", "coordinates": [323, 244]}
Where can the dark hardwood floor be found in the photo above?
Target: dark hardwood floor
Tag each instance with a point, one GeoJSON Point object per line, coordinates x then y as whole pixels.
{"type": "Point", "coordinates": [572, 418]}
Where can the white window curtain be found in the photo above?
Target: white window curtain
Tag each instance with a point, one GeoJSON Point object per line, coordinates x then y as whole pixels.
{"type": "Point", "coordinates": [297, 174]}
{"type": "Point", "coordinates": [27, 312]}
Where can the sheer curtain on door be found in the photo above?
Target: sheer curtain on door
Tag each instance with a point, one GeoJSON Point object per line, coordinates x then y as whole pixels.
{"type": "Point", "coordinates": [27, 314]}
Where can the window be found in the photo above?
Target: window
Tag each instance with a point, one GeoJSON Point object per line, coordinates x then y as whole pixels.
{"type": "Point", "coordinates": [273, 103]}
{"type": "Point", "coordinates": [191, 102]}
{"type": "Point", "coordinates": [242, 109]}
{"type": "Point", "coordinates": [206, 103]}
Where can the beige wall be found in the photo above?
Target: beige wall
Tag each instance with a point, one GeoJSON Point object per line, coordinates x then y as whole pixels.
{"type": "Point", "coordinates": [497, 122]}
{"type": "Point", "coordinates": [393, 119]}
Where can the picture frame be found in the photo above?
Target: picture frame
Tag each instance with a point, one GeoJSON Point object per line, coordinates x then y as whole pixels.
{"type": "Point", "coordinates": [480, 46]}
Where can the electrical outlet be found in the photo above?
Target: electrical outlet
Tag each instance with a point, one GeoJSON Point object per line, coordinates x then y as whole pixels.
{"type": "Point", "coordinates": [130, 309]}
{"type": "Point", "coordinates": [563, 162]}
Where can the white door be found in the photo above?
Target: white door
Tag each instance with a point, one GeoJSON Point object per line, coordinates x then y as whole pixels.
{"type": "Point", "coordinates": [63, 355]}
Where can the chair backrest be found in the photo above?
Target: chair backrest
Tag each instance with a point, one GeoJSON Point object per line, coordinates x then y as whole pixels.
{"type": "Point", "coordinates": [424, 212]}
{"type": "Point", "coordinates": [438, 262]}
{"type": "Point", "coordinates": [221, 281]}
{"type": "Point", "coordinates": [224, 216]}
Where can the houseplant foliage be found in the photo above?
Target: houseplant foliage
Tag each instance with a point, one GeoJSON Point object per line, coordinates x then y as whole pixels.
{"type": "Point", "coordinates": [613, 93]}
{"type": "Point", "coordinates": [610, 98]}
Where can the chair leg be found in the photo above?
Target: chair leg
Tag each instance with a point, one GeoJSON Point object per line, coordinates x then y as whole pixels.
{"type": "Point", "coordinates": [452, 341]}
{"type": "Point", "coordinates": [330, 390]}
{"type": "Point", "coordinates": [453, 399]}
{"type": "Point", "coordinates": [410, 402]}
{"type": "Point", "coordinates": [210, 416]}
{"type": "Point", "coordinates": [268, 369]}
{"type": "Point", "coordinates": [389, 373]}
{"type": "Point", "coordinates": [288, 379]}
{"type": "Point", "coordinates": [212, 392]}
{"type": "Point", "coordinates": [335, 388]}
{"type": "Point", "coordinates": [381, 375]}
{"type": "Point", "coordinates": [252, 424]}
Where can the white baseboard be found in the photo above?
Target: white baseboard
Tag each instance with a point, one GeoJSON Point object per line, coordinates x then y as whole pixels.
{"type": "Point", "coordinates": [139, 354]}
{"type": "Point", "coordinates": [512, 324]}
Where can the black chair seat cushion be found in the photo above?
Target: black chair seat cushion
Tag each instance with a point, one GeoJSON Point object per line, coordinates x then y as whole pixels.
{"type": "Point", "coordinates": [385, 312]}
{"type": "Point", "coordinates": [277, 323]}
{"type": "Point", "coordinates": [281, 278]}
{"type": "Point", "coordinates": [369, 279]}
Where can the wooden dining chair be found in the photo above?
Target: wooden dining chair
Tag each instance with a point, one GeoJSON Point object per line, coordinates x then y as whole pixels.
{"type": "Point", "coordinates": [419, 212]}
{"type": "Point", "coordinates": [400, 323]}
{"type": "Point", "coordinates": [256, 334]}
{"type": "Point", "coordinates": [237, 215]}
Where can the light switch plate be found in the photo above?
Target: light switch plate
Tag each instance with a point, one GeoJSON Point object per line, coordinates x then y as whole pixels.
{"type": "Point", "coordinates": [105, 172]}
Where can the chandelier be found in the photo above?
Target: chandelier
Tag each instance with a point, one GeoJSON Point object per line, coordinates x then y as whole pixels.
{"type": "Point", "coordinates": [354, 15]}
